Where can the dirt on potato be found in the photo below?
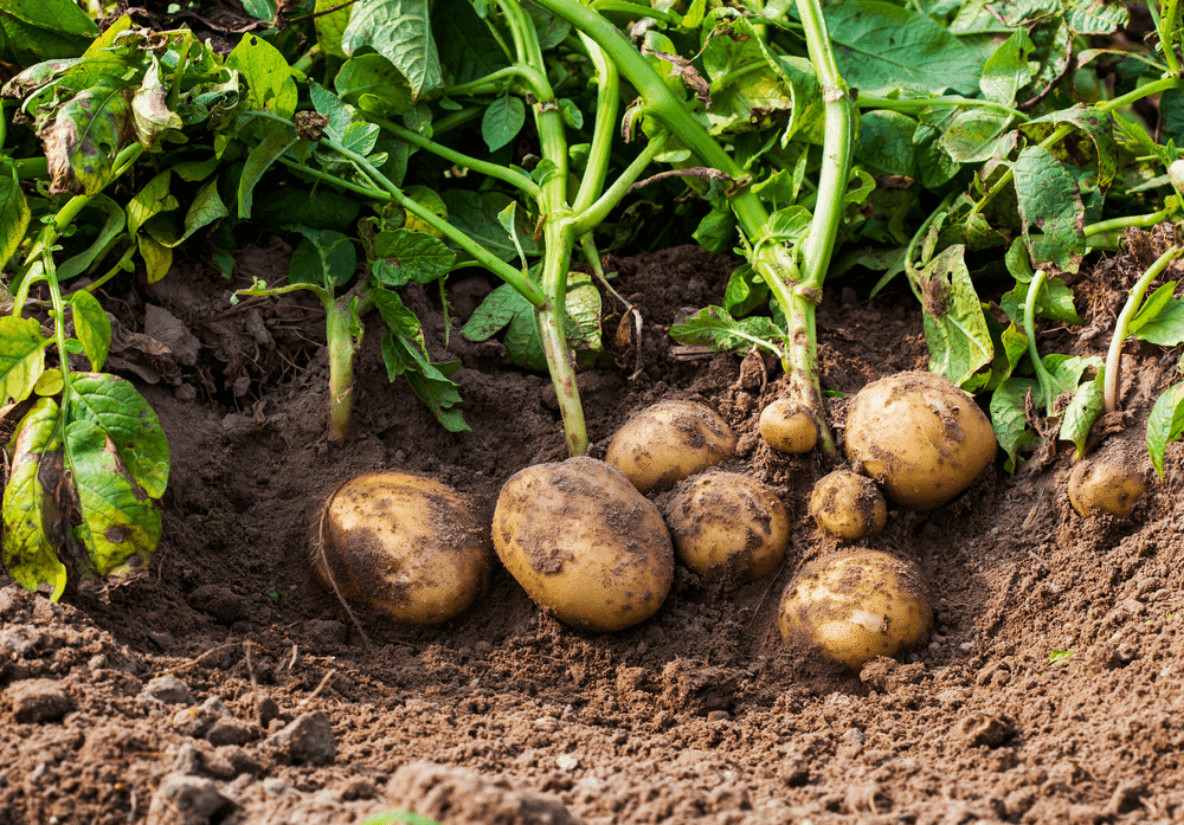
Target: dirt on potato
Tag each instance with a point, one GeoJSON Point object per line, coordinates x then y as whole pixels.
{"type": "Point", "coordinates": [227, 686]}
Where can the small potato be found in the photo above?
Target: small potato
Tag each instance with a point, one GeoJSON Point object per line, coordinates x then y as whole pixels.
{"type": "Point", "coordinates": [848, 506]}
{"type": "Point", "coordinates": [856, 606]}
{"type": "Point", "coordinates": [1105, 484]}
{"type": "Point", "coordinates": [787, 428]}
{"type": "Point", "coordinates": [728, 523]}
{"type": "Point", "coordinates": [665, 443]}
{"type": "Point", "coordinates": [405, 545]}
{"type": "Point", "coordinates": [923, 439]}
{"type": "Point", "coordinates": [584, 544]}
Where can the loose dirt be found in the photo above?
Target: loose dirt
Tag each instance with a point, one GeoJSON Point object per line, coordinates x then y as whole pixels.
{"type": "Point", "coordinates": [226, 686]}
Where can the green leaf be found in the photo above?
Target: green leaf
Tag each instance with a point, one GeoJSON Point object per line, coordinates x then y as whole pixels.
{"type": "Point", "coordinates": [158, 259]}
{"type": "Point", "coordinates": [1049, 200]}
{"type": "Point", "coordinates": [270, 84]}
{"type": "Point", "coordinates": [1009, 417]}
{"type": "Point", "coordinates": [1055, 300]}
{"type": "Point", "coordinates": [120, 525]}
{"type": "Point", "coordinates": [86, 134]}
{"type": "Point", "coordinates": [322, 209]}
{"type": "Point", "coordinates": [1006, 70]}
{"type": "Point", "coordinates": [502, 121]}
{"type": "Point", "coordinates": [399, 817]}
{"type": "Point", "coordinates": [22, 357]}
{"type": "Point", "coordinates": [330, 25]}
{"type": "Point", "coordinates": [112, 228]}
{"type": "Point", "coordinates": [714, 327]}
{"type": "Point", "coordinates": [1083, 410]}
{"type": "Point", "coordinates": [260, 9]}
{"type": "Point", "coordinates": [124, 418]}
{"type": "Point", "coordinates": [92, 326]}
{"type": "Point", "coordinates": [505, 308]}
{"type": "Point", "coordinates": [955, 326]}
{"type": "Point", "coordinates": [468, 50]}
{"type": "Point", "coordinates": [29, 510]}
{"type": "Point", "coordinates": [153, 199]}
{"type": "Point", "coordinates": [880, 46]}
{"type": "Point", "coordinates": [475, 214]}
{"type": "Point", "coordinates": [62, 16]}
{"type": "Point", "coordinates": [206, 208]}
{"type": "Point", "coordinates": [371, 82]}
{"type": "Point", "coordinates": [323, 258]}
{"type": "Point", "coordinates": [400, 31]}
{"type": "Point", "coordinates": [277, 139]}
{"type": "Point", "coordinates": [14, 212]}
{"type": "Point", "coordinates": [402, 256]}
{"type": "Point", "coordinates": [1160, 320]}
{"type": "Point", "coordinates": [886, 142]}
{"type": "Point", "coordinates": [1165, 424]}
{"type": "Point", "coordinates": [974, 133]}
{"type": "Point", "coordinates": [745, 291]}
{"type": "Point", "coordinates": [716, 231]}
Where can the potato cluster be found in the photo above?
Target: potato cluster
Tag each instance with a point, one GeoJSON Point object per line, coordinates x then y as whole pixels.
{"type": "Point", "coordinates": [587, 545]}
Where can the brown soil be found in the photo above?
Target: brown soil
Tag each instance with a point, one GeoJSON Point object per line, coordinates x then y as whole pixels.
{"type": "Point", "coordinates": [226, 686]}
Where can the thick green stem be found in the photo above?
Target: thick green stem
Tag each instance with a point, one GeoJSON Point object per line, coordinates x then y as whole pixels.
{"type": "Point", "coordinates": [1131, 221]}
{"type": "Point", "coordinates": [558, 233]}
{"type": "Point", "coordinates": [588, 218]}
{"type": "Point", "coordinates": [1167, 32]}
{"type": "Point", "coordinates": [1114, 355]}
{"type": "Point", "coordinates": [608, 86]}
{"type": "Point", "coordinates": [340, 341]}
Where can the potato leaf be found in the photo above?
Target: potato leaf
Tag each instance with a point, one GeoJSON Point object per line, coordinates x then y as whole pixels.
{"type": "Point", "coordinates": [29, 510]}
{"type": "Point", "coordinates": [113, 224]}
{"type": "Point", "coordinates": [323, 258]}
{"type": "Point", "coordinates": [1165, 424]}
{"type": "Point", "coordinates": [1010, 420]}
{"type": "Point", "coordinates": [372, 83]}
{"type": "Point", "coordinates": [714, 327]}
{"type": "Point", "coordinates": [1006, 70]}
{"type": "Point", "coordinates": [14, 212]}
{"type": "Point", "coordinates": [955, 327]}
{"type": "Point", "coordinates": [1083, 410]}
{"type": "Point", "coordinates": [502, 121]}
{"type": "Point", "coordinates": [22, 357]}
{"type": "Point", "coordinates": [400, 31]}
{"type": "Point", "coordinates": [402, 256]}
{"type": "Point", "coordinates": [92, 326]}
{"type": "Point", "coordinates": [1160, 320]}
{"type": "Point", "coordinates": [86, 134]}
{"type": "Point", "coordinates": [1050, 201]}
{"type": "Point", "coordinates": [270, 84]}
{"type": "Point", "coordinates": [127, 424]}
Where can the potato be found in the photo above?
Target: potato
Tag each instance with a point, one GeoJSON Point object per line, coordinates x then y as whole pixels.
{"type": "Point", "coordinates": [848, 506]}
{"type": "Point", "coordinates": [856, 606]}
{"type": "Point", "coordinates": [405, 545]}
{"type": "Point", "coordinates": [920, 437]}
{"type": "Point", "coordinates": [665, 443]}
{"type": "Point", "coordinates": [584, 544]}
{"type": "Point", "coordinates": [1106, 484]}
{"type": "Point", "coordinates": [727, 523]}
{"type": "Point", "coordinates": [787, 428]}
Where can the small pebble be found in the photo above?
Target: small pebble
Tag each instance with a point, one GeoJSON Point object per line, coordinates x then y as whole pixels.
{"type": "Point", "coordinates": [168, 690]}
{"type": "Point", "coordinates": [308, 739]}
{"type": "Point", "coordinates": [39, 700]}
{"type": "Point", "coordinates": [567, 762]}
{"type": "Point", "coordinates": [186, 800]}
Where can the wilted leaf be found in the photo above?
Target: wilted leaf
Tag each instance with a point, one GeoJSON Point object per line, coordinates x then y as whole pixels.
{"type": "Point", "coordinates": [88, 132]}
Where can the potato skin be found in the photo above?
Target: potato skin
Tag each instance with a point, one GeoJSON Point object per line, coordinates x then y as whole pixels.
{"type": "Point", "coordinates": [665, 443]}
{"type": "Point", "coordinates": [923, 439]}
{"type": "Point", "coordinates": [787, 428]}
{"type": "Point", "coordinates": [1105, 484]}
{"type": "Point", "coordinates": [406, 545]}
{"type": "Point", "coordinates": [727, 524]}
{"type": "Point", "coordinates": [856, 606]}
{"type": "Point", "coordinates": [848, 506]}
{"type": "Point", "coordinates": [584, 544]}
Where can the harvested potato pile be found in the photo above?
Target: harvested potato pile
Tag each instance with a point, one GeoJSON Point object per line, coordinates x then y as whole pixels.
{"type": "Point", "coordinates": [856, 606]}
{"type": "Point", "coordinates": [728, 523]}
{"type": "Point", "coordinates": [920, 437]}
{"type": "Point", "coordinates": [405, 545]}
{"type": "Point", "coordinates": [584, 544]}
{"type": "Point", "coordinates": [668, 442]}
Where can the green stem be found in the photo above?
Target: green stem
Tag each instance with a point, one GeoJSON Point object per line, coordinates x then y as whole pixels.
{"type": "Point", "coordinates": [341, 365]}
{"type": "Point", "coordinates": [1167, 31]}
{"type": "Point", "coordinates": [637, 10]}
{"type": "Point", "coordinates": [493, 82]}
{"type": "Point", "coordinates": [1042, 376]}
{"type": "Point", "coordinates": [306, 60]}
{"type": "Point", "coordinates": [594, 214]}
{"type": "Point", "coordinates": [59, 327]}
{"type": "Point", "coordinates": [921, 103]}
{"type": "Point", "coordinates": [1119, 224]}
{"type": "Point", "coordinates": [608, 86]}
{"type": "Point", "coordinates": [1121, 326]}
{"type": "Point", "coordinates": [483, 167]}
{"type": "Point", "coordinates": [32, 168]}
{"type": "Point", "coordinates": [558, 232]}
{"type": "Point", "coordinates": [120, 266]}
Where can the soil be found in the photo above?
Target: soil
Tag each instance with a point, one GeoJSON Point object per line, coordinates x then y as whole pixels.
{"type": "Point", "coordinates": [227, 686]}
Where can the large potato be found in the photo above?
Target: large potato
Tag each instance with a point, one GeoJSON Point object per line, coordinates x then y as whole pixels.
{"type": "Point", "coordinates": [728, 523]}
{"type": "Point", "coordinates": [848, 506]}
{"type": "Point", "coordinates": [406, 545]}
{"type": "Point", "coordinates": [923, 439]}
{"type": "Point", "coordinates": [665, 443]}
{"type": "Point", "coordinates": [584, 544]}
{"type": "Point", "coordinates": [856, 606]}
